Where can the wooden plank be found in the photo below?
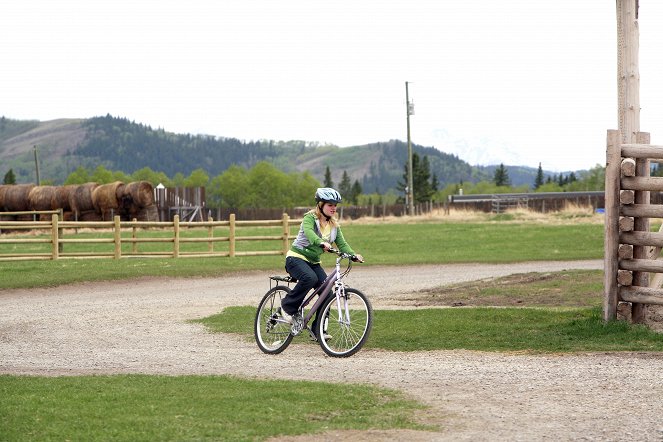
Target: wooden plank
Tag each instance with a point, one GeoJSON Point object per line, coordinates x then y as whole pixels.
{"type": "Point", "coordinates": [641, 295]}
{"type": "Point", "coordinates": [643, 210]}
{"type": "Point", "coordinates": [641, 239]}
{"type": "Point", "coordinates": [642, 265]}
{"type": "Point", "coordinates": [650, 151]}
{"type": "Point", "coordinates": [642, 183]}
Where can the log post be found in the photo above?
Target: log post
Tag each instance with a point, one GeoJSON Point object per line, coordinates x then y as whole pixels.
{"type": "Point", "coordinates": [55, 238]}
{"type": "Point", "coordinates": [134, 244]}
{"type": "Point", "coordinates": [210, 235]}
{"type": "Point", "coordinates": [628, 73]}
{"type": "Point", "coordinates": [286, 233]}
{"type": "Point", "coordinates": [641, 279]}
{"type": "Point", "coordinates": [117, 237]}
{"type": "Point", "coordinates": [176, 236]}
{"type": "Point", "coordinates": [231, 236]}
{"type": "Point", "coordinates": [611, 226]}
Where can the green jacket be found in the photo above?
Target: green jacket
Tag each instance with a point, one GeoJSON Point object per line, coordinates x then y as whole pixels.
{"type": "Point", "coordinates": [309, 239]}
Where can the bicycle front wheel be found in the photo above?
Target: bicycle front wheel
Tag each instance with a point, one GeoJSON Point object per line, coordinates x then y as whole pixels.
{"type": "Point", "coordinates": [345, 323]}
{"type": "Point", "coordinates": [271, 332]}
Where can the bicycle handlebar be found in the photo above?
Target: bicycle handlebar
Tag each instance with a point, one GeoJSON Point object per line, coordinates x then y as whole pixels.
{"type": "Point", "coordinates": [343, 254]}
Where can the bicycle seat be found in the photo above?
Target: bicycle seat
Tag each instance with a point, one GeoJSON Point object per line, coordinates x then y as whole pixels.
{"type": "Point", "coordinates": [283, 278]}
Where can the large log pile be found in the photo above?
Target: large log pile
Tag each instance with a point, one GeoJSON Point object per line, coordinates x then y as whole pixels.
{"type": "Point", "coordinates": [82, 202]}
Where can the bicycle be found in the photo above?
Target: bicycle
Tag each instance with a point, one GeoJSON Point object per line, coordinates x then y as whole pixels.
{"type": "Point", "coordinates": [345, 315]}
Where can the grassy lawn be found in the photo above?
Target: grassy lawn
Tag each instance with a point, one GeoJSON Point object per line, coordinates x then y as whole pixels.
{"type": "Point", "coordinates": [557, 312]}
{"type": "Point", "coordinates": [532, 313]}
{"type": "Point", "coordinates": [387, 244]}
{"type": "Point", "coordinates": [189, 408]}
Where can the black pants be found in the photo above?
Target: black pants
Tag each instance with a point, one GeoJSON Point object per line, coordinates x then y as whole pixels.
{"type": "Point", "coordinates": [308, 276]}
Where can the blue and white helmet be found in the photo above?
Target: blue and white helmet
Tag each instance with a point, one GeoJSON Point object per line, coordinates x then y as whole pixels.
{"type": "Point", "coordinates": [327, 195]}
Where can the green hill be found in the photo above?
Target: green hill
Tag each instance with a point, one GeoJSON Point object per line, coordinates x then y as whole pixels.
{"type": "Point", "coordinates": [119, 144]}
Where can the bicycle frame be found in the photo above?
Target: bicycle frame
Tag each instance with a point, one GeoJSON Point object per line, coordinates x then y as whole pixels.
{"type": "Point", "coordinates": [333, 280]}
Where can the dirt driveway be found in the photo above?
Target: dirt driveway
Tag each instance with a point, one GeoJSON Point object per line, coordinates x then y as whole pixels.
{"type": "Point", "coordinates": [139, 327]}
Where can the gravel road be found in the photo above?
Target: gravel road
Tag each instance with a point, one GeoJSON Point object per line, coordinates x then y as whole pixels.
{"type": "Point", "coordinates": [140, 326]}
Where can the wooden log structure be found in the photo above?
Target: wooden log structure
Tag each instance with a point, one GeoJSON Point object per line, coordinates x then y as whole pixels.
{"type": "Point", "coordinates": [631, 249]}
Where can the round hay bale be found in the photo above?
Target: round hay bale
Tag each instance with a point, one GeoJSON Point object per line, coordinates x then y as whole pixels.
{"type": "Point", "coordinates": [40, 197]}
{"type": "Point", "coordinates": [149, 213]}
{"type": "Point", "coordinates": [140, 192]}
{"type": "Point", "coordinates": [89, 215]}
{"type": "Point", "coordinates": [107, 196]}
{"type": "Point", "coordinates": [60, 199]}
{"type": "Point", "coordinates": [16, 197]}
{"type": "Point", "coordinates": [2, 196]}
{"type": "Point", "coordinates": [80, 198]}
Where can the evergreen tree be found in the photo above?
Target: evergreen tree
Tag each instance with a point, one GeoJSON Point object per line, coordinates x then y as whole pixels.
{"type": "Point", "coordinates": [10, 178]}
{"type": "Point", "coordinates": [328, 178]}
{"type": "Point", "coordinates": [538, 182]}
{"type": "Point", "coordinates": [501, 176]}
{"type": "Point", "coordinates": [434, 183]}
{"type": "Point", "coordinates": [345, 188]}
{"type": "Point", "coordinates": [355, 192]}
{"type": "Point", "coordinates": [423, 190]}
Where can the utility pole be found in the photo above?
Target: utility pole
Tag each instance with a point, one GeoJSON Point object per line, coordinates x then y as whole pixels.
{"type": "Point", "coordinates": [628, 82]}
{"type": "Point", "coordinates": [36, 165]}
{"type": "Point", "coordinates": [410, 188]}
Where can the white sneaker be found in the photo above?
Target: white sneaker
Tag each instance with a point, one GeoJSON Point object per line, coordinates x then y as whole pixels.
{"type": "Point", "coordinates": [286, 317]}
{"type": "Point", "coordinates": [325, 336]}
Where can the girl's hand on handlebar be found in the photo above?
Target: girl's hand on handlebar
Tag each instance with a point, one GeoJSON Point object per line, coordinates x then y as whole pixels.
{"type": "Point", "coordinates": [358, 258]}
{"type": "Point", "coordinates": [326, 246]}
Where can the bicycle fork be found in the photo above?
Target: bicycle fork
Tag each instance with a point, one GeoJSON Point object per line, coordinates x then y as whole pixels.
{"type": "Point", "coordinates": [343, 310]}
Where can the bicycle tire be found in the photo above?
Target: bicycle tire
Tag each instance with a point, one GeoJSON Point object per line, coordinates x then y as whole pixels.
{"type": "Point", "coordinates": [347, 337]}
{"type": "Point", "coordinates": [271, 335]}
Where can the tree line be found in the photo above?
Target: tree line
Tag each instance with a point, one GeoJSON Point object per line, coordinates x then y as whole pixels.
{"type": "Point", "coordinates": [266, 186]}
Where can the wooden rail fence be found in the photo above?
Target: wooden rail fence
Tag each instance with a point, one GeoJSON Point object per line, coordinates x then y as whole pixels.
{"type": "Point", "coordinates": [631, 251]}
{"type": "Point", "coordinates": [55, 239]}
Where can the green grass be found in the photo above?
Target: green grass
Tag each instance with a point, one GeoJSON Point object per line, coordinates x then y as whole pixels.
{"type": "Point", "coordinates": [388, 244]}
{"type": "Point", "coordinates": [534, 330]}
{"type": "Point", "coordinates": [188, 408]}
{"type": "Point", "coordinates": [570, 288]}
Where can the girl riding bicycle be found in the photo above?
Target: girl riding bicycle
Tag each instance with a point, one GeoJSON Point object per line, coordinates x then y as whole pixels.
{"type": "Point", "coordinates": [318, 231]}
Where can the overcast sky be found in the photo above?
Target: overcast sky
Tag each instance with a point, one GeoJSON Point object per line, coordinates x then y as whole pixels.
{"type": "Point", "coordinates": [512, 81]}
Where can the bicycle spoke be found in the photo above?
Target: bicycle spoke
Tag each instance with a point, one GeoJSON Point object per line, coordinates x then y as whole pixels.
{"type": "Point", "coordinates": [272, 334]}
{"type": "Point", "coordinates": [347, 337]}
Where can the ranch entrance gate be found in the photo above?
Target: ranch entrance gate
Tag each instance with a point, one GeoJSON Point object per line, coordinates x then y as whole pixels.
{"type": "Point", "coordinates": [633, 270]}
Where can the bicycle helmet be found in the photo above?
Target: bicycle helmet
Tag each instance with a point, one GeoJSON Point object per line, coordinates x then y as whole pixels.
{"type": "Point", "coordinates": [327, 195]}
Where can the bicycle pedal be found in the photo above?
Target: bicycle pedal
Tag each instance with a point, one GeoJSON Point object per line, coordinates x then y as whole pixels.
{"type": "Point", "coordinates": [297, 325]}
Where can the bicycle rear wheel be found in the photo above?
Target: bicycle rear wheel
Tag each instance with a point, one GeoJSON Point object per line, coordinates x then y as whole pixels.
{"type": "Point", "coordinates": [271, 332]}
{"type": "Point", "coordinates": [346, 324]}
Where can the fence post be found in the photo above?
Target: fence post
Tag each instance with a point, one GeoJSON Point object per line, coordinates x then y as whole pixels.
{"type": "Point", "coordinates": [134, 244]}
{"type": "Point", "coordinates": [286, 233]}
{"type": "Point", "coordinates": [55, 237]}
{"type": "Point", "coordinates": [611, 227]}
{"type": "Point", "coordinates": [642, 225]}
{"type": "Point", "coordinates": [231, 238]}
{"type": "Point", "coordinates": [60, 218]}
{"type": "Point", "coordinates": [117, 236]}
{"type": "Point", "coordinates": [210, 234]}
{"type": "Point", "coordinates": [176, 236]}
